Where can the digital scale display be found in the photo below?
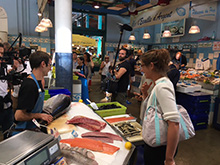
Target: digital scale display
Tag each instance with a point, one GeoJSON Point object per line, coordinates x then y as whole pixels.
{"type": "Point", "coordinates": [43, 156]}
{"type": "Point", "coordinates": [38, 159]}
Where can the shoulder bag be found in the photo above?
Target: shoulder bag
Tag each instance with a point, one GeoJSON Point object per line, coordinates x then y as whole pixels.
{"type": "Point", "coordinates": [155, 127]}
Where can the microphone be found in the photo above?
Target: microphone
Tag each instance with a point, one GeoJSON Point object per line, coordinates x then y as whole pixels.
{"type": "Point", "coordinates": [125, 27]}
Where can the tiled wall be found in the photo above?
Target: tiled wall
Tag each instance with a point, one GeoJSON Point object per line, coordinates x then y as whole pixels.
{"type": "Point", "coordinates": [202, 50]}
{"type": "Point", "coordinates": [44, 43]}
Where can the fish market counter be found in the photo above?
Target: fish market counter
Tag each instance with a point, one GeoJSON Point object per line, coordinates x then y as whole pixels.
{"type": "Point", "coordinates": [120, 157]}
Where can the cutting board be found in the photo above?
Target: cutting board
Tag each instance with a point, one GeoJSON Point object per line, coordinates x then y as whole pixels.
{"type": "Point", "coordinates": [61, 126]}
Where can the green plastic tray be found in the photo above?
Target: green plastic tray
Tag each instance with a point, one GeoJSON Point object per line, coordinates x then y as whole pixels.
{"type": "Point", "coordinates": [46, 96]}
{"type": "Point", "coordinates": [110, 112]}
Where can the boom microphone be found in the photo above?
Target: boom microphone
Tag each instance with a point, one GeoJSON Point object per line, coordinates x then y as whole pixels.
{"type": "Point", "coordinates": [125, 27]}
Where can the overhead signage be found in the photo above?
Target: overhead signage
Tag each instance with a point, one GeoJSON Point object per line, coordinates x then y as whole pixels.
{"type": "Point", "coordinates": [206, 11]}
{"type": "Point", "coordinates": [177, 28]}
{"type": "Point", "coordinates": [161, 14]}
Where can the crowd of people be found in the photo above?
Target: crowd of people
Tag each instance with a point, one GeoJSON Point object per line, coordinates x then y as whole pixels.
{"type": "Point", "coordinates": [160, 75]}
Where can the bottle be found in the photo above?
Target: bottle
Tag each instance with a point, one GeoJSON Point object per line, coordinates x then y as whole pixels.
{"type": "Point", "coordinates": [213, 35]}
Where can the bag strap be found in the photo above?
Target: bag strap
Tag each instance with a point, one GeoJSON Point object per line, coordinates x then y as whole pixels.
{"type": "Point", "coordinates": [183, 124]}
{"type": "Point", "coordinates": [157, 123]}
{"type": "Point", "coordinates": [157, 126]}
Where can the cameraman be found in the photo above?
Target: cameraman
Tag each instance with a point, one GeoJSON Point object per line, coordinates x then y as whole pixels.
{"type": "Point", "coordinates": [122, 73]}
{"type": "Point", "coordinates": [31, 94]}
{"type": "Point", "coordinates": [6, 113]}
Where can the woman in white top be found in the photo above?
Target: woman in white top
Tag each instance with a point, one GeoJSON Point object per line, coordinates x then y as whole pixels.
{"type": "Point", "coordinates": [105, 67]}
{"type": "Point", "coordinates": [155, 65]}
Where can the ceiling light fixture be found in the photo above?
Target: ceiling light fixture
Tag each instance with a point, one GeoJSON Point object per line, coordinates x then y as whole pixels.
{"type": "Point", "coordinates": [46, 22]}
{"type": "Point", "coordinates": [146, 35]}
{"type": "Point", "coordinates": [132, 37]}
{"type": "Point", "coordinates": [96, 5]}
{"type": "Point", "coordinates": [132, 6]}
{"type": "Point", "coordinates": [40, 28]}
{"type": "Point", "coordinates": [194, 29]}
{"type": "Point", "coordinates": [166, 32]}
{"type": "Point", "coordinates": [39, 14]}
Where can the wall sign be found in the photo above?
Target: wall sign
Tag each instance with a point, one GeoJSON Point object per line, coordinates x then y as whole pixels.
{"type": "Point", "coordinates": [216, 45]}
{"type": "Point", "coordinates": [177, 28]}
{"type": "Point", "coordinates": [206, 11]}
{"type": "Point", "coordinates": [161, 14]}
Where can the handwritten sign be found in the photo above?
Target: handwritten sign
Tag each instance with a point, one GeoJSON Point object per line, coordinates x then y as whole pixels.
{"type": "Point", "coordinates": [160, 14]}
{"type": "Point", "coordinates": [206, 11]}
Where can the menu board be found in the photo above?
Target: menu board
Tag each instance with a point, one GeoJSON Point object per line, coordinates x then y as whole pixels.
{"type": "Point", "coordinates": [177, 28]}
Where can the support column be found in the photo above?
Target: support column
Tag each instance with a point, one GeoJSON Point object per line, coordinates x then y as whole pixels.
{"type": "Point", "coordinates": [99, 50]}
{"type": "Point", "coordinates": [63, 44]}
{"type": "Point", "coordinates": [87, 20]}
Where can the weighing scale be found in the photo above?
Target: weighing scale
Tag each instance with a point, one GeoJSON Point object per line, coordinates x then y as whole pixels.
{"type": "Point", "coordinates": [29, 148]}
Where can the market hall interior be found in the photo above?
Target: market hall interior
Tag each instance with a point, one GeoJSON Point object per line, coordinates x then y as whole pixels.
{"type": "Point", "coordinates": [204, 147]}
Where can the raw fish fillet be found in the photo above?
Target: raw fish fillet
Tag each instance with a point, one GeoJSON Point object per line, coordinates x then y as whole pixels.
{"type": "Point", "coordinates": [102, 139]}
{"type": "Point", "coordinates": [101, 135]}
{"type": "Point", "coordinates": [114, 120]}
{"type": "Point", "coordinates": [90, 144]}
{"type": "Point", "coordinates": [85, 122]}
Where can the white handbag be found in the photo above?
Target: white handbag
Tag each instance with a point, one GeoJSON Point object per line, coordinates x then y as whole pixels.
{"type": "Point", "coordinates": [154, 128]}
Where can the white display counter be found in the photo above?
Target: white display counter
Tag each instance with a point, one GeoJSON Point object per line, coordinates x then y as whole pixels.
{"type": "Point", "coordinates": [120, 157]}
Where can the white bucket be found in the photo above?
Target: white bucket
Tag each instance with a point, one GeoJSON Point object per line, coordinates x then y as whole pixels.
{"type": "Point", "coordinates": [76, 94]}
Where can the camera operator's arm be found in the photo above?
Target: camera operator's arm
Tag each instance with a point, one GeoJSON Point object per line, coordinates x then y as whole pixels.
{"type": "Point", "coordinates": [22, 115]}
{"type": "Point", "coordinates": [120, 73]}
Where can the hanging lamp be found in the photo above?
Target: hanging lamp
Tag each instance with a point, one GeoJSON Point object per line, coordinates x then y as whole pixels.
{"type": "Point", "coordinates": [46, 22]}
{"type": "Point", "coordinates": [132, 37]}
{"type": "Point", "coordinates": [166, 32]}
{"type": "Point", "coordinates": [194, 29]}
{"type": "Point", "coordinates": [146, 35]}
{"type": "Point", "coordinates": [40, 28]}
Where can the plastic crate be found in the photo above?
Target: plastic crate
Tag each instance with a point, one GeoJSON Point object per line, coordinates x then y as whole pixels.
{"type": "Point", "coordinates": [75, 77]}
{"type": "Point", "coordinates": [199, 121]}
{"type": "Point", "coordinates": [54, 92]}
{"type": "Point", "coordinates": [46, 96]}
{"type": "Point", "coordinates": [110, 112]}
{"type": "Point", "coordinates": [201, 109]}
{"type": "Point", "coordinates": [193, 98]}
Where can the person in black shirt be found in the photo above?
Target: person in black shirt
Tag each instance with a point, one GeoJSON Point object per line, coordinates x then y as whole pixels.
{"type": "Point", "coordinates": [173, 73]}
{"type": "Point", "coordinates": [31, 94]}
{"type": "Point", "coordinates": [122, 73]}
{"type": "Point", "coordinates": [181, 58]}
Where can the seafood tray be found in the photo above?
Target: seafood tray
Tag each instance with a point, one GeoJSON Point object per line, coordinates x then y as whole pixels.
{"type": "Point", "coordinates": [130, 130]}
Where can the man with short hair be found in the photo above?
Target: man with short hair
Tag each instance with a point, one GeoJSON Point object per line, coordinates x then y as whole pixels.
{"type": "Point", "coordinates": [122, 73]}
{"type": "Point", "coordinates": [31, 94]}
{"type": "Point", "coordinates": [6, 112]}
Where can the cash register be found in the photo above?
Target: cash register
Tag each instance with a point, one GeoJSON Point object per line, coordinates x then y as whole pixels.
{"type": "Point", "coordinates": [29, 148]}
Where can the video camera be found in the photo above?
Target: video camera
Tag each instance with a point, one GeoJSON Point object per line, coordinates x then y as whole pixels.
{"type": "Point", "coordinates": [8, 59]}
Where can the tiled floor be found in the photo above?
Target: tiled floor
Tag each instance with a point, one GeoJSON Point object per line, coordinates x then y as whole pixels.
{"type": "Point", "coordinates": [203, 149]}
